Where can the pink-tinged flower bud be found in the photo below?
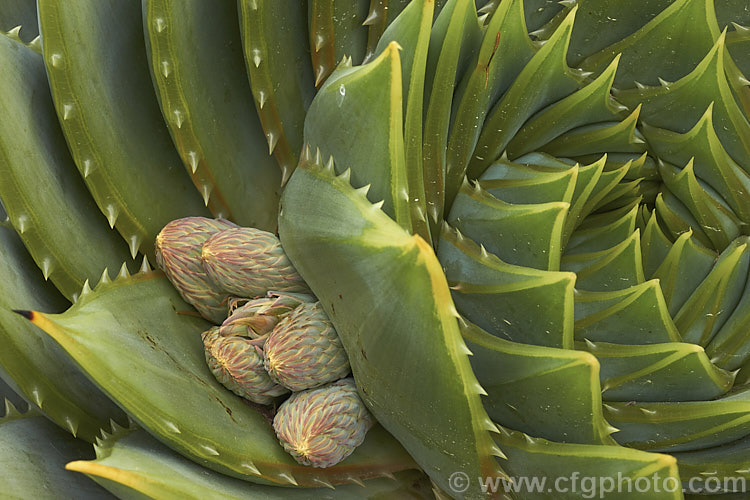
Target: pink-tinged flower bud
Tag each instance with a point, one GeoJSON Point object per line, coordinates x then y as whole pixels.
{"type": "Point", "coordinates": [248, 262]}
{"type": "Point", "coordinates": [304, 350]}
{"type": "Point", "coordinates": [237, 362]}
{"type": "Point", "coordinates": [258, 317]}
{"type": "Point", "coordinates": [178, 254]}
{"type": "Point", "coordinates": [321, 427]}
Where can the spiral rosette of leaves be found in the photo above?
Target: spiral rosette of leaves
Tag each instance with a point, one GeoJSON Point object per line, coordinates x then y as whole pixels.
{"type": "Point", "coordinates": [585, 191]}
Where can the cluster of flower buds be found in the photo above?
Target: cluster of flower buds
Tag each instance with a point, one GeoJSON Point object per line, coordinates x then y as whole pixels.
{"type": "Point", "coordinates": [276, 338]}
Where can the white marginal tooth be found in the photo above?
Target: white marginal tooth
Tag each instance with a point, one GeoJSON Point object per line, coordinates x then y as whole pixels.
{"type": "Point", "coordinates": [378, 205]}
{"type": "Point", "coordinates": [288, 478]}
{"type": "Point", "coordinates": [178, 117]}
{"type": "Point", "coordinates": [165, 68]}
{"type": "Point", "coordinates": [322, 482]}
{"type": "Point", "coordinates": [356, 480]}
{"type": "Point", "coordinates": [262, 98]}
{"type": "Point", "coordinates": [13, 33]}
{"type": "Point", "coordinates": [46, 267]}
{"type": "Point", "coordinates": [206, 193]}
{"type": "Point", "coordinates": [318, 156]}
{"type": "Point", "coordinates": [57, 60]}
{"type": "Point", "coordinates": [160, 23]}
{"type": "Point", "coordinates": [319, 41]}
{"type": "Point", "coordinates": [145, 266]}
{"type": "Point", "coordinates": [172, 427]}
{"type": "Point", "coordinates": [134, 243]}
{"type": "Point", "coordinates": [257, 57]}
{"type": "Point", "coordinates": [36, 397]}
{"type": "Point", "coordinates": [251, 467]}
{"type": "Point", "coordinates": [346, 175]}
{"type": "Point", "coordinates": [372, 18]}
{"type": "Point", "coordinates": [210, 449]}
{"type": "Point", "coordinates": [363, 190]}
{"type": "Point", "coordinates": [67, 111]}
{"type": "Point", "coordinates": [71, 426]}
{"type": "Point", "coordinates": [22, 224]}
{"type": "Point", "coordinates": [88, 167]}
{"type": "Point", "coordinates": [86, 288]}
{"type": "Point", "coordinates": [193, 160]}
{"type": "Point", "coordinates": [639, 85]}
{"type": "Point", "coordinates": [253, 4]}
{"type": "Point", "coordinates": [104, 279]}
{"type": "Point", "coordinates": [123, 271]}
{"type": "Point", "coordinates": [112, 214]}
{"type": "Point", "coordinates": [664, 83]}
{"type": "Point", "coordinates": [273, 139]}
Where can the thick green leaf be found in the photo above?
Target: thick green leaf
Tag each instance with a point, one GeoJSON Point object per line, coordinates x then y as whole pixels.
{"type": "Point", "coordinates": [615, 268]}
{"type": "Point", "coordinates": [133, 339]}
{"type": "Point", "coordinates": [133, 463]}
{"type": "Point", "coordinates": [669, 46]}
{"type": "Point", "coordinates": [336, 31]}
{"type": "Point", "coordinates": [455, 35]}
{"type": "Point", "coordinates": [679, 106]}
{"type": "Point", "coordinates": [278, 64]}
{"type": "Point", "coordinates": [358, 118]}
{"type": "Point", "coordinates": [593, 103]}
{"type": "Point", "coordinates": [36, 365]}
{"type": "Point", "coordinates": [716, 218]}
{"type": "Point", "coordinates": [704, 312]}
{"type": "Point", "coordinates": [524, 235]}
{"type": "Point", "coordinates": [711, 162]}
{"type": "Point", "coordinates": [605, 467]}
{"type": "Point", "coordinates": [545, 79]}
{"type": "Point", "coordinates": [520, 304]}
{"type": "Point", "coordinates": [196, 57]}
{"type": "Point", "coordinates": [674, 371]}
{"type": "Point", "coordinates": [521, 380]}
{"type": "Point", "coordinates": [671, 427]}
{"type": "Point", "coordinates": [503, 54]}
{"type": "Point", "coordinates": [635, 315]}
{"type": "Point", "coordinates": [407, 356]}
{"type": "Point", "coordinates": [32, 464]}
{"type": "Point", "coordinates": [41, 190]}
{"type": "Point", "coordinates": [98, 73]}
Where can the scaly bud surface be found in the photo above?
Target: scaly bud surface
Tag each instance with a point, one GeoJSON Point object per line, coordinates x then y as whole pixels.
{"type": "Point", "coordinates": [237, 362]}
{"type": "Point", "coordinates": [248, 262]}
{"type": "Point", "coordinates": [321, 427]}
{"type": "Point", "coordinates": [304, 350]}
{"type": "Point", "coordinates": [178, 254]}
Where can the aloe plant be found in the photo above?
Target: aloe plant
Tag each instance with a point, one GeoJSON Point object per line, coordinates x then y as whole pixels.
{"type": "Point", "coordinates": [526, 220]}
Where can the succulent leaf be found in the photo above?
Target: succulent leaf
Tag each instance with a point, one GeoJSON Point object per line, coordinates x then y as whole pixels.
{"type": "Point", "coordinates": [34, 455]}
{"type": "Point", "coordinates": [46, 202]}
{"type": "Point", "coordinates": [197, 65]}
{"type": "Point", "coordinates": [134, 462]}
{"type": "Point", "coordinates": [111, 120]}
{"type": "Point", "coordinates": [128, 339]}
{"type": "Point", "coordinates": [36, 366]}
{"type": "Point", "coordinates": [282, 86]}
{"type": "Point", "coordinates": [357, 266]}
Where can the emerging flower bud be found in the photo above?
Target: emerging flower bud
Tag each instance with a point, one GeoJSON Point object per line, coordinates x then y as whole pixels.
{"type": "Point", "coordinates": [248, 262]}
{"type": "Point", "coordinates": [237, 362]}
{"type": "Point", "coordinates": [258, 317]}
{"type": "Point", "coordinates": [178, 254]}
{"type": "Point", "coordinates": [323, 426]}
{"type": "Point", "coordinates": [304, 350]}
